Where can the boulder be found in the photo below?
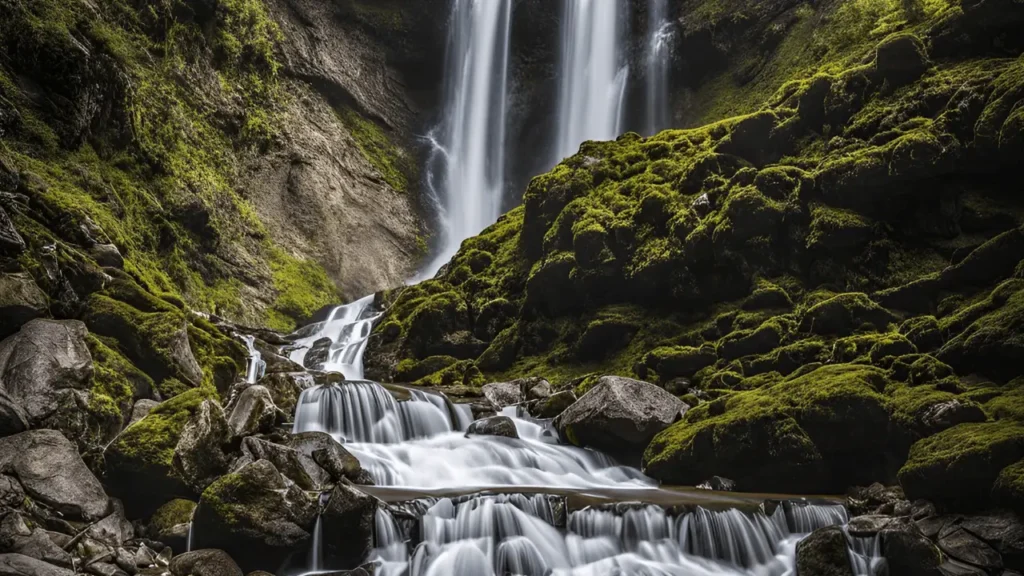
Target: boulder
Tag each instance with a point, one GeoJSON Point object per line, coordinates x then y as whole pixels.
{"type": "Point", "coordinates": [1003, 531]}
{"type": "Point", "coordinates": [254, 412]}
{"type": "Point", "coordinates": [493, 426]}
{"type": "Point", "coordinates": [21, 300]}
{"type": "Point", "coordinates": [338, 462]}
{"type": "Point", "coordinates": [204, 563]}
{"type": "Point", "coordinates": [139, 463]}
{"type": "Point", "coordinates": [42, 367]}
{"type": "Point", "coordinates": [718, 484]}
{"type": "Point", "coordinates": [843, 314]}
{"type": "Point", "coordinates": [823, 553]}
{"type": "Point", "coordinates": [619, 415]}
{"type": "Point", "coordinates": [256, 516]}
{"type": "Point", "coordinates": [21, 565]}
{"type": "Point", "coordinates": [943, 415]}
{"type": "Point", "coordinates": [966, 547]}
{"type": "Point", "coordinates": [348, 526]}
{"type": "Point", "coordinates": [50, 470]}
{"type": "Point", "coordinates": [673, 361]}
{"type": "Point", "coordinates": [502, 394]}
{"type": "Point", "coordinates": [16, 536]}
{"type": "Point", "coordinates": [554, 405]}
{"type": "Point", "coordinates": [201, 454]}
{"type": "Point", "coordinates": [171, 522]}
{"type": "Point", "coordinates": [294, 465]}
{"type": "Point", "coordinates": [908, 552]}
{"type": "Point", "coordinates": [107, 255]}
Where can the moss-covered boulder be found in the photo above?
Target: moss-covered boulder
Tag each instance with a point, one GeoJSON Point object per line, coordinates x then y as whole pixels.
{"type": "Point", "coordinates": [171, 522]}
{"type": "Point", "coordinates": [818, 432]}
{"type": "Point", "coordinates": [958, 468]}
{"type": "Point", "coordinates": [993, 343]}
{"type": "Point", "coordinates": [824, 553]}
{"type": "Point", "coordinates": [843, 314]}
{"type": "Point", "coordinates": [139, 462]}
{"type": "Point", "coordinates": [255, 516]}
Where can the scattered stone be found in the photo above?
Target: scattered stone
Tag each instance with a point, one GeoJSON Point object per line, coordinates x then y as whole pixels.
{"type": "Point", "coordinates": [200, 456]}
{"type": "Point", "coordinates": [21, 300]}
{"type": "Point", "coordinates": [254, 412]}
{"type": "Point", "coordinates": [254, 515]}
{"type": "Point", "coordinates": [493, 426]}
{"type": "Point", "coordinates": [49, 468]}
{"type": "Point", "coordinates": [204, 563]}
{"type": "Point", "coordinates": [823, 553]}
{"type": "Point", "coordinates": [619, 415]}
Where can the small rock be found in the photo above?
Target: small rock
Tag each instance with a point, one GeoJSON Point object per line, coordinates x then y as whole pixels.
{"type": "Point", "coordinates": [538, 391]}
{"type": "Point", "coordinates": [107, 255]}
{"type": "Point", "coordinates": [939, 417]}
{"type": "Point", "coordinates": [503, 394]}
{"type": "Point", "coordinates": [554, 404]}
{"type": "Point", "coordinates": [104, 569]}
{"type": "Point", "coordinates": [204, 563]}
{"type": "Point", "coordinates": [494, 426]}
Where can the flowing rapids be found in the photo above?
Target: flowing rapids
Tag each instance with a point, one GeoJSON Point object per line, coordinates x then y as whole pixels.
{"type": "Point", "coordinates": [511, 514]}
{"type": "Point", "coordinates": [466, 173]}
{"type": "Point", "coordinates": [593, 87]}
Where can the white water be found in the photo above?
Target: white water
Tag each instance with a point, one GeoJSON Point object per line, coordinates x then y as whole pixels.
{"type": "Point", "coordinates": [348, 328]}
{"type": "Point", "coordinates": [593, 86]}
{"type": "Point", "coordinates": [255, 366]}
{"type": "Point", "coordinates": [469, 146]}
{"type": "Point", "coordinates": [493, 535]}
{"type": "Point", "coordinates": [659, 51]}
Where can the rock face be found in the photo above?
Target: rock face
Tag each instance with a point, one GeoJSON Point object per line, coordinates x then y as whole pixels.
{"type": "Point", "coordinates": [619, 415]}
{"type": "Point", "coordinates": [255, 516]}
{"type": "Point", "coordinates": [49, 468]}
{"type": "Point", "coordinates": [42, 369]}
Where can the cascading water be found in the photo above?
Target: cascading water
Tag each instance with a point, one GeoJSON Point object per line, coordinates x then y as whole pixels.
{"type": "Point", "coordinates": [659, 51]}
{"type": "Point", "coordinates": [345, 334]}
{"type": "Point", "coordinates": [593, 86]}
{"type": "Point", "coordinates": [256, 366]}
{"type": "Point", "coordinates": [466, 172]}
{"type": "Point", "coordinates": [503, 534]}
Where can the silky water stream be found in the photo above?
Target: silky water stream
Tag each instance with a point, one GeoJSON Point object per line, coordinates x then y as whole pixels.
{"type": "Point", "coordinates": [487, 505]}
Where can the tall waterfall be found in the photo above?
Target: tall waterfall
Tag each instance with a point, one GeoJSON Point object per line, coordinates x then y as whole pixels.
{"type": "Point", "coordinates": [659, 51]}
{"type": "Point", "coordinates": [466, 172]}
{"type": "Point", "coordinates": [593, 77]}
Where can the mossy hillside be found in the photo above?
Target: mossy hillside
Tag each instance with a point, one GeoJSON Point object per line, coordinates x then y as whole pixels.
{"type": "Point", "coordinates": [153, 167]}
{"type": "Point", "coordinates": [394, 167]}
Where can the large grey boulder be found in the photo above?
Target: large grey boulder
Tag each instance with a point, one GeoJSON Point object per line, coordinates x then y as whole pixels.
{"type": "Point", "coordinates": [253, 412]}
{"type": "Point", "coordinates": [200, 456]}
{"type": "Point", "coordinates": [338, 462]}
{"type": "Point", "coordinates": [42, 369]}
{"type": "Point", "coordinates": [619, 415]}
{"type": "Point", "coordinates": [204, 563]}
{"type": "Point", "coordinates": [21, 565]}
{"type": "Point", "coordinates": [21, 300]}
{"type": "Point", "coordinates": [50, 470]}
{"type": "Point", "coordinates": [293, 464]}
{"type": "Point", "coordinates": [256, 516]}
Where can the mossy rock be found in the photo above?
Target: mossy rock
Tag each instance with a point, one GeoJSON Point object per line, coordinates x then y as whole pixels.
{"type": "Point", "coordinates": [742, 343]}
{"type": "Point", "coordinates": [994, 342]}
{"type": "Point", "coordinates": [844, 314]}
{"type": "Point", "coordinates": [1008, 490]}
{"type": "Point", "coordinates": [170, 523]}
{"type": "Point", "coordinates": [787, 359]}
{"type": "Point", "coordinates": [958, 467]}
{"type": "Point", "coordinates": [139, 463]}
{"type": "Point", "coordinates": [411, 370]}
{"type": "Point", "coordinates": [670, 362]}
{"type": "Point", "coordinates": [819, 432]}
{"type": "Point", "coordinates": [924, 332]}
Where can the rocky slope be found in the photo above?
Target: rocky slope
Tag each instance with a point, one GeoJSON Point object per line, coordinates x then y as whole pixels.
{"type": "Point", "coordinates": [830, 282]}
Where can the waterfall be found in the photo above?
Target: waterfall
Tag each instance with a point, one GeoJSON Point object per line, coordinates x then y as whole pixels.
{"type": "Point", "coordinates": [469, 145]}
{"type": "Point", "coordinates": [255, 366]}
{"type": "Point", "coordinates": [316, 563]}
{"type": "Point", "coordinates": [593, 85]}
{"type": "Point", "coordinates": [518, 534]}
{"type": "Point", "coordinates": [340, 340]}
{"type": "Point", "coordinates": [659, 51]}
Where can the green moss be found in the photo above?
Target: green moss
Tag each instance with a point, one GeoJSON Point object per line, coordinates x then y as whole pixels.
{"type": "Point", "coordinates": [173, 513]}
{"type": "Point", "coordinates": [302, 288]}
{"type": "Point", "coordinates": [149, 443]}
{"type": "Point", "coordinates": [1009, 403]}
{"type": "Point", "coordinates": [958, 467]}
{"type": "Point", "coordinates": [116, 383]}
{"type": "Point", "coordinates": [1009, 487]}
{"type": "Point", "coordinates": [379, 150]}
